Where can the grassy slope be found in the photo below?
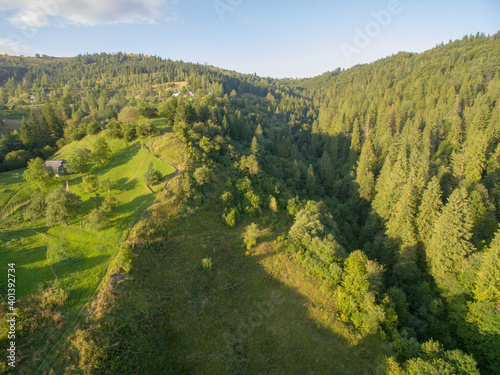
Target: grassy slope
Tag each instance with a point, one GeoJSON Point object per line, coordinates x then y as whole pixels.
{"type": "Point", "coordinates": [252, 313]}
{"type": "Point", "coordinates": [77, 258]}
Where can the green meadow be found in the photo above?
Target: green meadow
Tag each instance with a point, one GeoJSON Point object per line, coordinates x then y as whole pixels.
{"type": "Point", "coordinates": [71, 256]}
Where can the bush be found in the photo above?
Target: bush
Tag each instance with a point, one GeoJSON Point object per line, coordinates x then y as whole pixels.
{"type": "Point", "coordinates": [230, 218]}
{"type": "Point", "coordinates": [202, 175]}
{"type": "Point", "coordinates": [207, 263]}
{"type": "Point", "coordinates": [250, 235]}
{"type": "Point", "coordinates": [17, 159]}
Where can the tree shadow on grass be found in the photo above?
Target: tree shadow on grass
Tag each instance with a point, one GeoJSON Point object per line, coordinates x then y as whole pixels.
{"type": "Point", "coordinates": [127, 210]}
{"type": "Point", "coordinates": [120, 158]}
{"type": "Point", "coordinates": [224, 315]}
{"type": "Point", "coordinates": [125, 184]}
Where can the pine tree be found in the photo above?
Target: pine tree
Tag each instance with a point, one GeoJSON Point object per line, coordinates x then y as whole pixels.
{"type": "Point", "coordinates": [450, 245]}
{"type": "Point", "coordinates": [326, 169]}
{"type": "Point", "coordinates": [255, 146]}
{"type": "Point", "coordinates": [27, 133]}
{"type": "Point", "coordinates": [429, 210]}
{"type": "Point", "coordinates": [390, 184]}
{"type": "Point", "coordinates": [311, 181]}
{"type": "Point", "coordinates": [401, 223]}
{"type": "Point", "coordinates": [365, 171]}
{"type": "Point", "coordinates": [475, 157]}
{"type": "Point", "coordinates": [356, 138]}
{"type": "Point", "coordinates": [488, 279]}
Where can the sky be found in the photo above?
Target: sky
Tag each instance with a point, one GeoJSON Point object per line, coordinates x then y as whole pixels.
{"type": "Point", "coordinates": [272, 38]}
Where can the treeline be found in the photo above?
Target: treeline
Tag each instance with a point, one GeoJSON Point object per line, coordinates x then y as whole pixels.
{"type": "Point", "coordinates": [68, 98]}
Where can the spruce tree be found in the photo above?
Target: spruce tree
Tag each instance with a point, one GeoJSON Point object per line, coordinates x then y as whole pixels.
{"type": "Point", "coordinates": [255, 146]}
{"type": "Point", "coordinates": [488, 277]}
{"type": "Point", "coordinates": [429, 210]}
{"type": "Point", "coordinates": [311, 181]}
{"type": "Point", "coordinates": [450, 243]}
{"type": "Point", "coordinates": [365, 176]}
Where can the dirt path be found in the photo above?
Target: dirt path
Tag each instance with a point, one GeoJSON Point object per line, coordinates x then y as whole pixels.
{"type": "Point", "coordinates": [169, 162]}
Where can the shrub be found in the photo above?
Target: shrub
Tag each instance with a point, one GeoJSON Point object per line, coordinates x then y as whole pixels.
{"type": "Point", "coordinates": [250, 235]}
{"type": "Point", "coordinates": [230, 218]}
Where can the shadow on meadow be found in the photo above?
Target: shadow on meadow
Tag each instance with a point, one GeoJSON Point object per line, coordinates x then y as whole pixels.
{"type": "Point", "coordinates": [197, 304]}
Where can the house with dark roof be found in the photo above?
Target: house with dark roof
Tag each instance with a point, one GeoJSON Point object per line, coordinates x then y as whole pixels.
{"type": "Point", "coordinates": [58, 166]}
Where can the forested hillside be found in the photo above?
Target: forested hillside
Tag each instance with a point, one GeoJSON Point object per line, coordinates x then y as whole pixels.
{"type": "Point", "coordinates": [381, 184]}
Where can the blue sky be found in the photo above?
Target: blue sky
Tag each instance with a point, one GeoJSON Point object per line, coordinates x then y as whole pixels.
{"type": "Point", "coordinates": [271, 38]}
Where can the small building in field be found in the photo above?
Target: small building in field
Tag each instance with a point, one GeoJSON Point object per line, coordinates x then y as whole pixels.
{"type": "Point", "coordinates": [189, 94]}
{"type": "Point", "coordinates": [58, 166]}
{"type": "Point", "coordinates": [176, 94]}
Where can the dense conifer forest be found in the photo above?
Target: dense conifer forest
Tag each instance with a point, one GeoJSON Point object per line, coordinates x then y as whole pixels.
{"type": "Point", "coordinates": [381, 183]}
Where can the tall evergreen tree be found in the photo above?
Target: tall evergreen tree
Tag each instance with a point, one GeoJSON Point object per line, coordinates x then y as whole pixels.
{"type": "Point", "coordinates": [365, 176]}
{"type": "Point", "coordinates": [311, 181]}
{"type": "Point", "coordinates": [429, 209]}
{"type": "Point", "coordinates": [450, 245]}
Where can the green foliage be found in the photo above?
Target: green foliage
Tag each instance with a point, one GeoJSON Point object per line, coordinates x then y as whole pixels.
{"type": "Point", "coordinates": [273, 204]}
{"type": "Point", "coordinates": [91, 183]}
{"type": "Point", "coordinates": [39, 176]}
{"type": "Point", "coordinates": [450, 246]}
{"type": "Point", "coordinates": [129, 115]}
{"type": "Point", "coordinates": [432, 359]}
{"type": "Point", "coordinates": [365, 172]}
{"type": "Point", "coordinates": [80, 161]}
{"type": "Point", "coordinates": [356, 297]}
{"type": "Point", "coordinates": [202, 175]}
{"type": "Point", "coordinates": [100, 151]}
{"type": "Point", "coordinates": [37, 207]}
{"type": "Point", "coordinates": [250, 164]}
{"type": "Point", "coordinates": [17, 159]}
{"type": "Point", "coordinates": [481, 329]}
{"type": "Point", "coordinates": [152, 176]}
{"type": "Point", "coordinates": [97, 219]}
{"type": "Point", "coordinates": [429, 209]}
{"type": "Point", "coordinates": [206, 263]}
{"type": "Point", "coordinates": [230, 218]}
{"type": "Point", "coordinates": [311, 181]}
{"type": "Point", "coordinates": [61, 206]}
{"type": "Point", "coordinates": [255, 146]}
{"type": "Point", "coordinates": [250, 235]}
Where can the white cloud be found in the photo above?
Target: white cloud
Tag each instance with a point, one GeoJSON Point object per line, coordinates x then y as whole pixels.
{"type": "Point", "coordinates": [9, 47]}
{"type": "Point", "coordinates": [39, 13]}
